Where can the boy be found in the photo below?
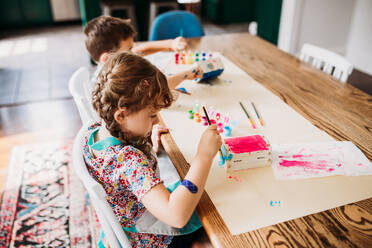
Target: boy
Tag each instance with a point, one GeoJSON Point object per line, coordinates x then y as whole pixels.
{"type": "Point", "coordinates": [106, 34]}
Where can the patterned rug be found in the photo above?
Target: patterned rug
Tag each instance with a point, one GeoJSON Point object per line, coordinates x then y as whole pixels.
{"type": "Point", "coordinates": [44, 204]}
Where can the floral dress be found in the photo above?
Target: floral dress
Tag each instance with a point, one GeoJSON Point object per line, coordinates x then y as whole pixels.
{"type": "Point", "coordinates": [126, 174]}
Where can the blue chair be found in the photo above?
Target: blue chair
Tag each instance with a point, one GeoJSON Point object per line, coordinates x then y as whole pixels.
{"type": "Point", "coordinates": [176, 23]}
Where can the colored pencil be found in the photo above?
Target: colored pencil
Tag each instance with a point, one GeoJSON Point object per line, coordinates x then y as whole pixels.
{"type": "Point", "coordinates": [258, 115]}
{"type": "Point", "coordinates": [249, 117]}
{"type": "Point", "coordinates": [209, 123]}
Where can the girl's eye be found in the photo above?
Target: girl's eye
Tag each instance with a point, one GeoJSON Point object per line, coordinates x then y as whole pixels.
{"type": "Point", "coordinates": [153, 116]}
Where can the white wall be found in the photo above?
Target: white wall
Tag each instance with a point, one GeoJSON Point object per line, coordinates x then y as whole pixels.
{"type": "Point", "coordinates": [289, 25]}
{"type": "Point", "coordinates": [325, 23]}
{"type": "Point", "coordinates": [359, 48]}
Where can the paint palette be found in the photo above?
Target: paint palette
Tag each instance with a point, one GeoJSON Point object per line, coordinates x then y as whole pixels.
{"type": "Point", "coordinates": [190, 57]}
{"type": "Point", "coordinates": [240, 153]}
{"type": "Point", "coordinates": [211, 65]}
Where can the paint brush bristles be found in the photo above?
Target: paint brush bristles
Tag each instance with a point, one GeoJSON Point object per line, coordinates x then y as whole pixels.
{"type": "Point", "coordinates": [249, 117]}
{"type": "Point", "coordinates": [258, 115]}
{"type": "Point", "coordinates": [209, 123]}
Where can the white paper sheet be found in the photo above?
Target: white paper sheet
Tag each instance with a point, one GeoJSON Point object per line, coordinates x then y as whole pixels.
{"type": "Point", "coordinates": [295, 161]}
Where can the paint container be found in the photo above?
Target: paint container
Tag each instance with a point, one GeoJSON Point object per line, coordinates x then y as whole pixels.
{"type": "Point", "coordinates": [191, 114]}
{"type": "Point", "coordinates": [218, 116]}
{"type": "Point", "coordinates": [190, 60]}
{"type": "Point", "coordinates": [176, 58]}
{"type": "Point", "coordinates": [227, 131]}
{"type": "Point", "coordinates": [196, 107]}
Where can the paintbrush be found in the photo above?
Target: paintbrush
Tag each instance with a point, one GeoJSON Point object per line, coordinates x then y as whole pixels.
{"type": "Point", "coordinates": [209, 123]}
{"type": "Point", "coordinates": [249, 117]}
{"type": "Point", "coordinates": [258, 115]}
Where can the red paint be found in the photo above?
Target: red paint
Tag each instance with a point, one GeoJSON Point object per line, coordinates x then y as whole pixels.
{"type": "Point", "coordinates": [302, 156]}
{"type": "Point", "coordinates": [304, 164]}
{"type": "Point", "coordinates": [359, 164]}
{"type": "Point", "coordinates": [246, 144]}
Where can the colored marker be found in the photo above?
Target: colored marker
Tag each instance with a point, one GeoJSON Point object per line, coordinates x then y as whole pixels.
{"type": "Point", "coordinates": [258, 115]}
{"type": "Point", "coordinates": [209, 123]}
{"type": "Point", "coordinates": [249, 117]}
{"type": "Point", "coordinates": [181, 32]}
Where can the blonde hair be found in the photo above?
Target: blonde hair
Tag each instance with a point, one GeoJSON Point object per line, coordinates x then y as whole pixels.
{"type": "Point", "coordinates": [129, 81]}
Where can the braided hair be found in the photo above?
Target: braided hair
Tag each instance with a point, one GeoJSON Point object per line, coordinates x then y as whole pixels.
{"type": "Point", "coordinates": [130, 81]}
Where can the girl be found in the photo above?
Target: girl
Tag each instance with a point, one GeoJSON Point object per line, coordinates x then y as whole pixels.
{"type": "Point", "coordinates": [128, 95]}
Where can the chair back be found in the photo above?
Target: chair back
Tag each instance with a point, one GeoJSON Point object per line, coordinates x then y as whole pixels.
{"type": "Point", "coordinates": [78, 87]}
{"type": "Point", "coordinates": [327, 61]}
{"type": "Point", "coordinates": [114, 233]}
{"type": "Point", "coordinates": [172, 24]}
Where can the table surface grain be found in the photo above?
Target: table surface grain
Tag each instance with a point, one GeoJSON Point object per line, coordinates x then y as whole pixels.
{"type": "Point", "coordinates": [341, 110]}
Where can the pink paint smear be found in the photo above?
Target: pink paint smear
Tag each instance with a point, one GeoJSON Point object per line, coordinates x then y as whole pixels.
{"type": "Point", "coordinates": [313, 165]}
{"type": "Point", "coordinates": [235, 178]}
{"type": "Point", "coordinates": [246, 144]}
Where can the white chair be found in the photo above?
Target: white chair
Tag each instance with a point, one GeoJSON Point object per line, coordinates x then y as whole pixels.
{"type": "Point", "coordinates": [78, 86]}
{"type": "Point", "coordinates": [327, 61]}
{"type": "Point", "coordinates": [114, 233]}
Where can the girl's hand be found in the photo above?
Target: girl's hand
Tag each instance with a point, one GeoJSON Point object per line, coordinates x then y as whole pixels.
{"type": "Point", "coordinates": [194, 73]}
{"type": "Point", "coordinates": [209, 143]}
{"type": "Point", "coordinates": [179, 44]}
{"type": "Point", "coordinates": [157, 131]}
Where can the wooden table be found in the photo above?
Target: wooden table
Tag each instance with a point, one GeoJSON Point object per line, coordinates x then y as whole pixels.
{"type": "Point", "coordinates": [341, 110]}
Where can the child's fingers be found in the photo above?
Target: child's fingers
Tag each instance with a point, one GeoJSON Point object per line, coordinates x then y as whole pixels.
{"type": "Point", "coordinates": [162, 130]}
{"type": "Point", "coordinates": [212, 127]}
{"type": "Point", "coordinates": [199, 73]}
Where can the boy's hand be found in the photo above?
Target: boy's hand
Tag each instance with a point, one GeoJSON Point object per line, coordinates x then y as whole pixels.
{"type": "Point", "coordinates": [194, 73]}
{"type": "Point", "coordinates": [179, 44]}
{"type": "Point", "coordinates": [155, 136]}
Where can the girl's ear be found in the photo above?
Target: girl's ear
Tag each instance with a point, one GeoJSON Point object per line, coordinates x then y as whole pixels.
{"type": "Point", "coordinates": [119, 115]}
{"type": "Point", "coordinates": [104, 57]}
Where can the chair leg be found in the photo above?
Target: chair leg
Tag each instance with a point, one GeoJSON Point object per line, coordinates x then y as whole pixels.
{"type": "Point", "coordinates": [132, 16]}
{"type": "Point", "coordinates": [106, 10]}
{"type": "Point", "coordinates": [153, 10]}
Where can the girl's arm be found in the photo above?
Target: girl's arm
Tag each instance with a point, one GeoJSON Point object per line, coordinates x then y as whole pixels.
{"type": "Point", "coordinates": [176, 208]}
{"type": "Point", "coordinates": [147, 48]}
{"type": "Point", "coordinates": [191, 74]}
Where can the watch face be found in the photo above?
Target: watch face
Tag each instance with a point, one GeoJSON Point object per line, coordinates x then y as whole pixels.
{"type": "Point", "coordinates": [210, 66]}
